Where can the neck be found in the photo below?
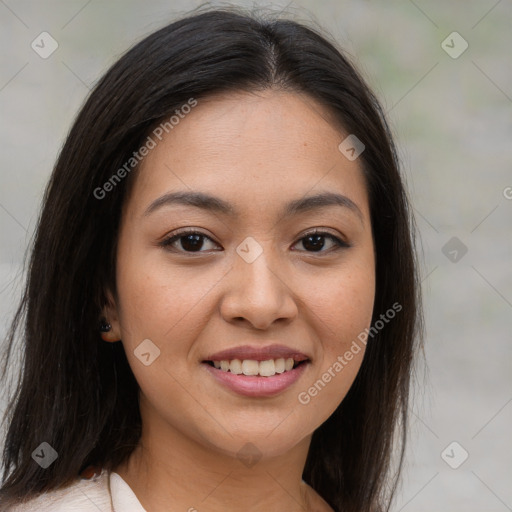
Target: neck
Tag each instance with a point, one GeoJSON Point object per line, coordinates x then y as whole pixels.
{"type": "Point", "coordinates": [170, 471]}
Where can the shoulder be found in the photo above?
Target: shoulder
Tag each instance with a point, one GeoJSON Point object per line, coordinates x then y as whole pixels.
{"type": "Point", "coordinates": [83, 495]}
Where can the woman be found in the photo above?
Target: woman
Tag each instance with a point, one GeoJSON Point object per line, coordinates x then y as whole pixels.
{"type": "Point", "coordinates": [222, 303]}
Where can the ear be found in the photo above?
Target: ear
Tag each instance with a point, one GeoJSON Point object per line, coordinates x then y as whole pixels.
{"type": "Point", "coordinates": [111, 316]}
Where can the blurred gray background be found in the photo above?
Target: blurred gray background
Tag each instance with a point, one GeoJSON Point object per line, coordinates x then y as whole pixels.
{"type": "Point", "coordinates": [450, 108]}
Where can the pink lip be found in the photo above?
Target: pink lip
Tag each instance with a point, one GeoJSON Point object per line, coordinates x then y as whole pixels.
{"type": "Point", "coordinates": [257, 353]}
{"type": "Point", "coordinates": [254, 385]}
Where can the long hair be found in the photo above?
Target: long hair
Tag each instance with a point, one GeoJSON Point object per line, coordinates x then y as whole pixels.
{"type": "Point", "coordinates": [78, 393]}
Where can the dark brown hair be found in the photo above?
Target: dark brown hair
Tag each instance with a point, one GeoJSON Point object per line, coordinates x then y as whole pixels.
{"type": "Point", "coordinates": [78, 393]}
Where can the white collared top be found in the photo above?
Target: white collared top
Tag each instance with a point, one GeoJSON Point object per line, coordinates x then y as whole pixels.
{"type": "Point", "coordinates": [106, 492]}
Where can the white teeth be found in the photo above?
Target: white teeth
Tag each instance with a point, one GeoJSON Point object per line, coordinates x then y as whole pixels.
{"type": "Point", "coordinates": [267, 368]}
{"type": "Point", "coordinates": [280, 365]}
{"type": "Point", "coordinates": [236, 366]}
{"type": "Point", "coordinates": [251, 367]}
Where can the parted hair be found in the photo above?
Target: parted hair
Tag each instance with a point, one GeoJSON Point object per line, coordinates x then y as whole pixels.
{"type": "Point", "coordinates": [78, 393]}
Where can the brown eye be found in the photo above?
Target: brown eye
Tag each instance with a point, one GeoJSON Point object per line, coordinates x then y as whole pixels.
{"type": "Point", "coordinates": [315, 241]}
{"type": "Point", "coordinates": [189, 241]}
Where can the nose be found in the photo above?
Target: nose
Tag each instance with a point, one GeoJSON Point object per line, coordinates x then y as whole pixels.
{"type": "Point", "coordinates": [258, 294]}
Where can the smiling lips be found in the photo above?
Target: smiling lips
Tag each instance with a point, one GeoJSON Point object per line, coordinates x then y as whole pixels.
{"type": "Point", "coordinates": [257, 371]}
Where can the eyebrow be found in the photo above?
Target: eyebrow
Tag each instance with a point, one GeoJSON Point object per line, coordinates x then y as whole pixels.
{"type": "Point", "coordinates": [215, 204]}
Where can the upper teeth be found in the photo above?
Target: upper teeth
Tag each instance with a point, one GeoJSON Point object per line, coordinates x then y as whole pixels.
{"type": "Point", "coordinates": [252, 367]}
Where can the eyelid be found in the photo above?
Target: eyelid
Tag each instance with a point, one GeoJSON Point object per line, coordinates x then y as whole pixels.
{"type": "Point", "coordinates": [185, 231]}
{"type": "Point", "coordinates": [325, 232]}
{"type": "Point", "coordinates": [167, 240]}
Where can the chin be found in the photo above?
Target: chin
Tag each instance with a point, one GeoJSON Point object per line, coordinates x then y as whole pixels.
{"type": "Point", "coordinates": [263, 443]}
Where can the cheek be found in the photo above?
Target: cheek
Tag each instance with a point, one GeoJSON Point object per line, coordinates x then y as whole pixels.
{"type": "Point", "coordinates": [342, 307]}
{"type": "Point", "coordinates": [159, 299]}
{"type": "Point", "coordinates": [343, 303]}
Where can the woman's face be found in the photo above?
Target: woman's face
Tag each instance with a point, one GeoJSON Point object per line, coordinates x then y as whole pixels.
{"type": "Point", "coordinates": [250, 282]}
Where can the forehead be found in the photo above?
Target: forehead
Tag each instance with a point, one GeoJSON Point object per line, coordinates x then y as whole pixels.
{"type": "Point", "coordinates": [255, 150]}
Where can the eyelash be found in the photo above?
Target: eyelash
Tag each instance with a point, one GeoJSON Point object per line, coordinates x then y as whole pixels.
{"type": "Point", "coordinates": [167, 242]}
